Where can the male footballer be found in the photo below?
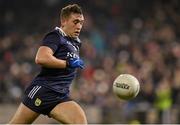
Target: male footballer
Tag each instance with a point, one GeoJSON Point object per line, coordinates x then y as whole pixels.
{"type": "Point", "coordinates": [58, 57]}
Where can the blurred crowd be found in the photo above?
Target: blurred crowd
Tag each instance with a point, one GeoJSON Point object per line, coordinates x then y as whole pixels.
{"type": "Point", "coordinates": [122, 36]}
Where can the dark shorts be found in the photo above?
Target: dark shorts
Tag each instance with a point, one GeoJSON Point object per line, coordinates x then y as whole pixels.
{"type": "Point", "coordinates": [42, 99]}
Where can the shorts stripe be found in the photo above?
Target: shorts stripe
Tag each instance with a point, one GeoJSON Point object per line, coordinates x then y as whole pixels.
{"type": "Point", "coordinates": [33, 91]}
{"type": "Point", "coordinates": [30, 93]}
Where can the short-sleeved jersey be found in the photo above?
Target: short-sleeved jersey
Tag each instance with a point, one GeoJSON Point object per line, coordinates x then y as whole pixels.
{"type": "Point", "coordinates": [59, 79]}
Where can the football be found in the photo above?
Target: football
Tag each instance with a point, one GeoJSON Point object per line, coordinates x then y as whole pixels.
{"type": "Point", "coordinates": [126, 86]}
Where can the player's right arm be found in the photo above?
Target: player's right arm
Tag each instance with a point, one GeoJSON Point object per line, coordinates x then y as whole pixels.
{"type": "Point", "coordinates": [44, 55]}
{"type": "Point", "coordinates": [45, 58]}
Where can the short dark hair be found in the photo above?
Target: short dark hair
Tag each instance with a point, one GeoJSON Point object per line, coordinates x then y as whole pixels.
{"type": "Point", "coordinates": [68, 10]}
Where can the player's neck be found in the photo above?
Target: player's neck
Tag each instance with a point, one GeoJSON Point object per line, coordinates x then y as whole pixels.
{"type": "Point", "coordinates": [62, 31]}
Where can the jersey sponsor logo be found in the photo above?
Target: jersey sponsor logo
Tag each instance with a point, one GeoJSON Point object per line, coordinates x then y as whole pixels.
{"type": "Point", "coordinates": [72, 55]}
{"type": "Point", "coordinates": [37, 102]}
{"type": "Point", "coordinates": [33, 91]}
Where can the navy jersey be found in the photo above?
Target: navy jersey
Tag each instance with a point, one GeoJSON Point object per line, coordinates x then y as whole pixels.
{"type": "Point", "coordinates": [63, 47]}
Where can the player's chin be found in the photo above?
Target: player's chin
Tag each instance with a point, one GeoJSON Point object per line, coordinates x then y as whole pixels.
{"type": "Point", "coordinates": [75, 35]}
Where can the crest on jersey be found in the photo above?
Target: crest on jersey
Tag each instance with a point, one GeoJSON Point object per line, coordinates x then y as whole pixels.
{"type": "Point", "coordinates": [37, 102]}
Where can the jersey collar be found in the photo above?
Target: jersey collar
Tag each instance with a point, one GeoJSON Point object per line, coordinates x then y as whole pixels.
{"type": "Point", "coordinates": [61, 31]}
{"type": "Point", "coordinates": [65, 35]}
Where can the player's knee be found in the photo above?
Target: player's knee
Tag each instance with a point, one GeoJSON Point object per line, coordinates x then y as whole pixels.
{"type": "Point", "coordinates": [80, 119]}
{"type": "Point", "coordinates": [77, 119]}
{"type": "Point", "coordinates": [69, 113]}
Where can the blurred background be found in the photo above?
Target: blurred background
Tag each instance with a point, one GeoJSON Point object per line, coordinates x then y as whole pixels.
{"type": "Point", "coordinates": [140, 37]}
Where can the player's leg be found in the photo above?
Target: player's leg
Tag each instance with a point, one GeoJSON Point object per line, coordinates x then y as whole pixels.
{"type": "Point", "coordinates": [23, 115]}
{"type": "Point", "coordinates": [69, 112]}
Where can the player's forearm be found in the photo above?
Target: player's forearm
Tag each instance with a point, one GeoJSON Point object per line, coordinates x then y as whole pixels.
{"type": "Point", "coordinates": [50, 61]}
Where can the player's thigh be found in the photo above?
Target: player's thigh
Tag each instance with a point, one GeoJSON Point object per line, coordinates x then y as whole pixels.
{"type": "Point", "coordinates": [69, 112]}
{"type": "Point", "coordinates": [23, 115]}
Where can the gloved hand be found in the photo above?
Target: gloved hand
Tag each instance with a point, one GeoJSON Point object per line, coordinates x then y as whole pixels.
{"type": "Point", "coordinates": [75, 63]}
